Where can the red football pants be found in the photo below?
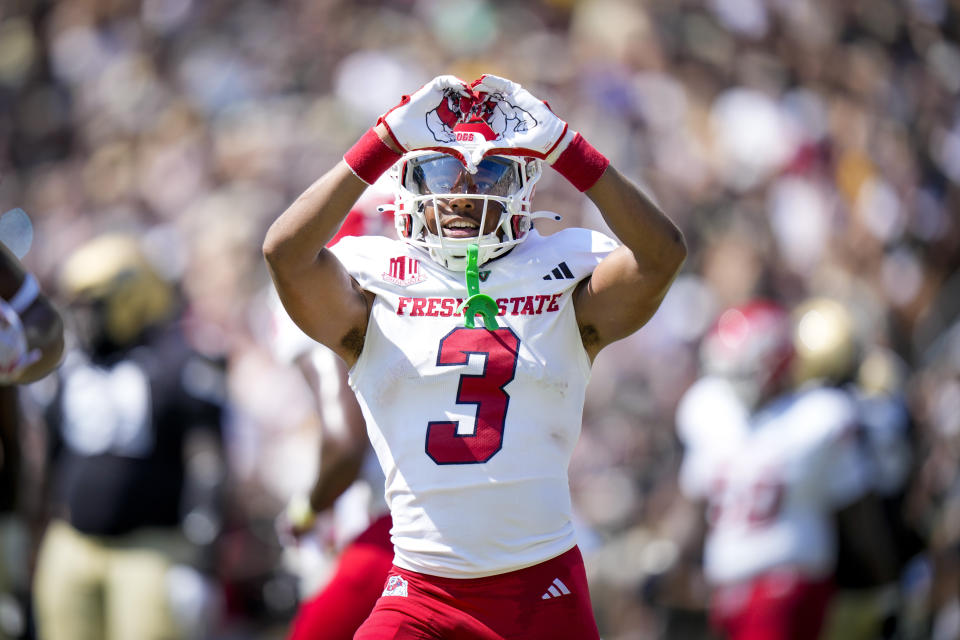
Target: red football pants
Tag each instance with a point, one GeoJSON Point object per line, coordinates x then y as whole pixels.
{"type": "Point", "coordinates": [781, 605]}
{"type": "Point", "coordinates": [342, 605]}
{"type": "Point", "coordinates": [547, 601]}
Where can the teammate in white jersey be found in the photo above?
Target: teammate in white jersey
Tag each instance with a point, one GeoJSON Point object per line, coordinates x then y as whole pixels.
{"type": "Point", "coordinates": [474, 420]}
{"type": "Point", "coordinates": [348, 481]}
{"type": "Point", "coordinates": [774, 467]}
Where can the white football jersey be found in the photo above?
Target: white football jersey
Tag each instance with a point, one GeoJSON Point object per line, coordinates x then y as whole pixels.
{"type": "Point", "coordinates": [475, 429]}
{"type": "Point", "coordinates": [773, 481]}
{"type": "Point", "coordinates": [362, 502]}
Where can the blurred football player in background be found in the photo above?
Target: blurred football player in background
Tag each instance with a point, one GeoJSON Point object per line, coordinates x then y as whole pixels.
{"type": "Point", "coordinates": [778, 464]}
{"type": "Point", "coordinates": [349, 482]}
{"type": "Point", "coordinates": [135, 464]}
{"type": "Point", "coordinates": [31, 345]}
{"type": "Point", "coordinates": [832, 350]}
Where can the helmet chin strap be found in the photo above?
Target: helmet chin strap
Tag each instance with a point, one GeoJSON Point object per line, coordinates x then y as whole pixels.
{"type": "Point", "coordinates": [477, 303]}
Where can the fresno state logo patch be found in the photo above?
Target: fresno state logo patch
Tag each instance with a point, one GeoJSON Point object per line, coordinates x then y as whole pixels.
{"type": "Point", "coordinates": [396, 586]}
{"type": "Point", "coordinates": [403, 271]}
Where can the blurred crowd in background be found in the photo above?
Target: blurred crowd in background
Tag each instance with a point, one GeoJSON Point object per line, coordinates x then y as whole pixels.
{"type": "Point", "coordinates": [804, 147]}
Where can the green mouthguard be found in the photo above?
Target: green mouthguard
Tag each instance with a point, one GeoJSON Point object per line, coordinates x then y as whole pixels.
{"type": "Point", "coordinates": [477, 303]}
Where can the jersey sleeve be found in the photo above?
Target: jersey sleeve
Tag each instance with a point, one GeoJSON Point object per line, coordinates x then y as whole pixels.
{"type": "Point", "coordinates": [286, 340]}
{"type": "Point", "coordinates": [831, 420]}
{"type": "Point", "coordinates": [360, 255]}
{"type": "Point", "coordinates": [710, 420]}
{"type": "Point", "coordinates": [601, 244]}
{"type": "Point", "coordinates": [578, 251]}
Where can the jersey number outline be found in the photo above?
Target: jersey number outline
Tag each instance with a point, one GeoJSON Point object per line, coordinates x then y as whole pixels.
{"type": "Point", "coordinates": [755, 505]}
{"type": "Point", "coordinates": [501, 348]}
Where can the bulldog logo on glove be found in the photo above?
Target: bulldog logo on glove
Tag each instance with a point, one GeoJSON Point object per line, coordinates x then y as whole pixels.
{"type": "Point", "coordinates": [453, 109]}
{"type": "Point", "coordinates": [502, 116]}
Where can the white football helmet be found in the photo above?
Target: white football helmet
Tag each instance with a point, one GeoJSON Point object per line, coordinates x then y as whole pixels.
{"type": "Point", "coordinates": [502, 185]}
{"type": "Point", "coordinates": [750, 345]}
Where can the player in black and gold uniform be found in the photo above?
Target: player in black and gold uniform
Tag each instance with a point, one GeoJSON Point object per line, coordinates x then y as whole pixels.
{"type": "Point", "coordinates": [135, 457]}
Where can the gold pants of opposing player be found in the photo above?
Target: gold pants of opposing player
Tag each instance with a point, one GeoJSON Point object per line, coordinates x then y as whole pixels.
{"type": "Point", "coordinates": [14, 575]}
{"type": "Point", "coordinates": [96, 588]}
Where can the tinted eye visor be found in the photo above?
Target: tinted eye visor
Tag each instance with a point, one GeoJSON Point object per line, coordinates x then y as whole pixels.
{"type": "Point", "coordinates": [443, 174]}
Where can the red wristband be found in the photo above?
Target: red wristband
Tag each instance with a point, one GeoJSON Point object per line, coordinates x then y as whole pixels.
{"type": "Point", "coordinates": [370, 157]}
{"type": "Point", "coordinates": [581, 164]}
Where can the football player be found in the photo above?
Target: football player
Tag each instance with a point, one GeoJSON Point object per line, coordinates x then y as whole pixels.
{"type": "Point", "coordinates": [831, 350]}
{"type": "Point", "coordinates": [777, 464]}
{"type": "Point", "coordinates": [474, 422]}
{"type": "Point", "coordinates": [135, 458]}
{"type": "Point", "coordinates": [349, 482]}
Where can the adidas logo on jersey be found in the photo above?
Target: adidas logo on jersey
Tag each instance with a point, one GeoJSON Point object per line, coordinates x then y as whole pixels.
{"type": "Point", "coordinates": [560, 272]}
{"type": "Point", "coordinates": [396, 586]}
{"type": "Point", "coordinates": [556, 590]}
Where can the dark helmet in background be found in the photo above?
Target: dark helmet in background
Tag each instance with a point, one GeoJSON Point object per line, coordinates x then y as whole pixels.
{"type": "Point", "coordinates": [826, 342]}
{"type": "Point", "coordinates": [114, 291]}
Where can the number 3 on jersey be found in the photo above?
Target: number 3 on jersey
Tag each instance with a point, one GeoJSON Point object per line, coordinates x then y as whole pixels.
{"type": "Point", "coordinates": [500, 349]}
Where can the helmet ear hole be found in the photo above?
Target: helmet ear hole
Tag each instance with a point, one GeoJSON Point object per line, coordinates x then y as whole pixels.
{"type": "Point", "coordinates": [405, 226]}
{"type": "Point", "coordinates": [519, 225]}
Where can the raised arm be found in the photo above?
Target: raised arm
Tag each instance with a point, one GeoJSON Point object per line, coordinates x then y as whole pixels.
{"type": "Point", "coordinates": [318, 293]}
{"type": "Point", "coordinates": [628, 286]}
{"type": "Point", "coordinates": [316, 290]}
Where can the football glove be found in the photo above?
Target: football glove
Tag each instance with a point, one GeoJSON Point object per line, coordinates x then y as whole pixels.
{"type": "Point", "coordinates": [525, 125]}
{"type": "Point", "coordinates": [423, 120]}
